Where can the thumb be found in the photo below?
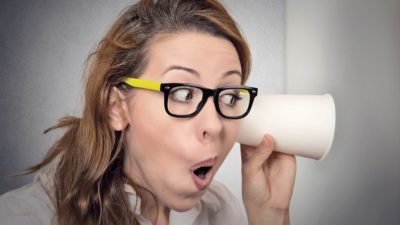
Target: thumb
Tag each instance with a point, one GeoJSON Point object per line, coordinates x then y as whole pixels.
{"type": "Point", "coordinates": [253, 159]}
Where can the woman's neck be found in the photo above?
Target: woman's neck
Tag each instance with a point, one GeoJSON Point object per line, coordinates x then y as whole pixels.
{"type": "Point", "coordinates": [152, 209]}
{"type": "Point", "coordinates": [163, 216]}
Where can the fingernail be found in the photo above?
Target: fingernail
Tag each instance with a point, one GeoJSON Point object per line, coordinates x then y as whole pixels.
{"type": "Point", "coordinates": [267, 140]}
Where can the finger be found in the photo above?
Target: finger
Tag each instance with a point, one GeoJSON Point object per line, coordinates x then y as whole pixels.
{"type": "Point", "coordinates": [260, 155]}
{"type": "Point", "coordinates": [247, 152]}
{"type": "Point", "coordinates": [287, 172]}
{"type": "Point", "coordinates": [288, 163]}
{"type": "Point", "coordinates": [280, 164]}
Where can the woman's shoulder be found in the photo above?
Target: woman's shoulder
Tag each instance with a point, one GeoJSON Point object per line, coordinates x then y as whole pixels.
{"type": "Point", "coordinates": [29, 204]}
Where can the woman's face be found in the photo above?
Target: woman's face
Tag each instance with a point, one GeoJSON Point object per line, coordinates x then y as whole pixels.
{"type": "Point", "coordinates": [162, 152]}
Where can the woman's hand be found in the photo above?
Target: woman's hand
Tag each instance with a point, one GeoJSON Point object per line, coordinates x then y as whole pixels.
{"type": "Point", "coordinates": [267, 183]}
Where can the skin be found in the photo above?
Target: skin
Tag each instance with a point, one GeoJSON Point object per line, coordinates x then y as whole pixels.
{"type": "Point", "coordinates": [160, 149]}
{"type": "Point", "coordinates": [267, 183]}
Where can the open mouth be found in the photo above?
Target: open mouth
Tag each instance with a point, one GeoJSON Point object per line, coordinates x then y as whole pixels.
{"type": "Point", "coordinates": [201, 173]}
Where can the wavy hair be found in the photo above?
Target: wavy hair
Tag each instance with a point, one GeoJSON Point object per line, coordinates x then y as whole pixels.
{"type": "Point", "coordinates": [89, 180]}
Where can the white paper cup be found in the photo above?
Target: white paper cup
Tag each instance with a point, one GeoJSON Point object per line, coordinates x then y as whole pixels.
{"type": "Point", "coordinates": [302, 125]}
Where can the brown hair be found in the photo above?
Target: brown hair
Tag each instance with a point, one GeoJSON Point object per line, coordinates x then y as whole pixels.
{"type": "Point", "coordinates": [89, 181]}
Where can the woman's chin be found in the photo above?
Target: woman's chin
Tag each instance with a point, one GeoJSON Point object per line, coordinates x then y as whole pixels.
{"type": "Point", "coordinates": [183, 208]}
{"type": "Point", "coordinates": [185, 205]}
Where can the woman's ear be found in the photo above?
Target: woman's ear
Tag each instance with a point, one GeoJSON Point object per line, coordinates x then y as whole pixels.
{"type": "Point", "coordinates": [117, 110]}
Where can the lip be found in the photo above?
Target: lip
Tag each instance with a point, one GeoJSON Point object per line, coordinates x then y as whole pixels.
{"type": "Point", "coordinates": [201, 184]}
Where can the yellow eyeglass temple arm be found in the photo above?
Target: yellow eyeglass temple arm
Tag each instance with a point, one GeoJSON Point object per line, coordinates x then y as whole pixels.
{"type": "Point", "coordinates": [146, 84]}
{"type": "Point", "coordinates": [152, 85]}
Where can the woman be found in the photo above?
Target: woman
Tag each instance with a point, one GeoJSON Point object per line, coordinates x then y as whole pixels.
{"type": "Point", "coordinates": [163, 100]}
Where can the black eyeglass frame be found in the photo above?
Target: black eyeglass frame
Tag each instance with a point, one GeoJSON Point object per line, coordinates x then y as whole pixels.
{"type": "Point", "coordinates": [167, 87]}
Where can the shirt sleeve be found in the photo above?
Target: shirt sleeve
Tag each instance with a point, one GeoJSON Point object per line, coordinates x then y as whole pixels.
{"type": "Point", "coordinates": [28, 205]}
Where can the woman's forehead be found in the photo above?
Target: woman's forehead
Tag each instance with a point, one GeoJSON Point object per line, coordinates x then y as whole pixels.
{"type": "Point", "coordinates": [199, 51]}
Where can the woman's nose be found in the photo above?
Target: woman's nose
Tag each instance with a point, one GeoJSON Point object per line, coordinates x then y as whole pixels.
{"type": "Point", "coordinates": [209, 121]}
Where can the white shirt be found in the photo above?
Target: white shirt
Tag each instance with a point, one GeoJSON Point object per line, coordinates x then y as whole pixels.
{"type": "Point", "coordinates": [33, 204]}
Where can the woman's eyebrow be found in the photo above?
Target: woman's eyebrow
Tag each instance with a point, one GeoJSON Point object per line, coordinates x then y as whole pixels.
{"type": "Point", "coordinates": [194, 72]}
{"type": "Point", "coordinates": [176, 67]}
{"type": "Point", "coordinates": [230, 72]}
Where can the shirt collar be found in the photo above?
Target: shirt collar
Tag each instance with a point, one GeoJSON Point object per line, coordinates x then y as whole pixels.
{"type": "Point", "coordinates": [133, 198]}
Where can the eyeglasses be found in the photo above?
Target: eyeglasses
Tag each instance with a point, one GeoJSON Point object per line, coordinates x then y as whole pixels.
{"type": "Point", "coordinates": [185, 100]}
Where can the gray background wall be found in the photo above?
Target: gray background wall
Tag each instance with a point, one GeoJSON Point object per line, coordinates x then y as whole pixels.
{"type": "Point", "coordinates": [349, 48]}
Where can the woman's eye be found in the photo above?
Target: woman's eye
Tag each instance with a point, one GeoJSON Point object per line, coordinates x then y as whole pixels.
{"type": "Point", "coordinates": [229, 99]}
{"type": "Point", "coordinates": [181, 94]}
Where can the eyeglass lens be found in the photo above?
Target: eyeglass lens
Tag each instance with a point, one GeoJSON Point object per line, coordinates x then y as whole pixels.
{"type": "Point", "coordinates": [184, 100]}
